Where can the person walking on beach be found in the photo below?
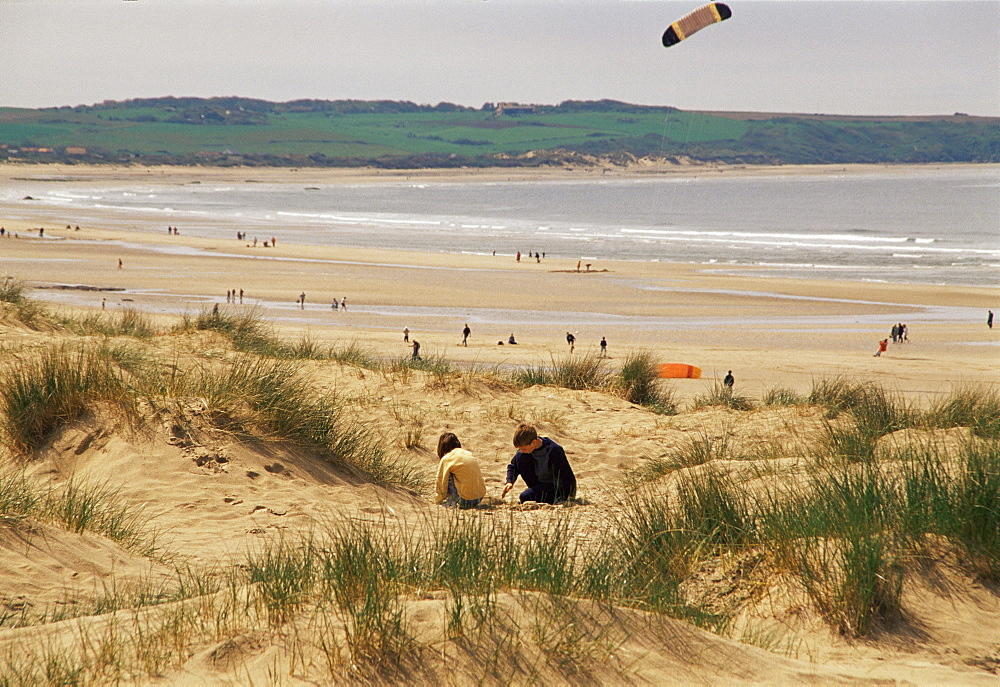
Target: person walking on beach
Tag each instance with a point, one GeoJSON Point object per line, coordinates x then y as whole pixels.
{"type": "Point", "coordinates": [518, 258]}
{"type": "Point", "coordinates": [343, 303]}
{"type": "Point", "coordinates": [729, 380]}
{"type": "Point", "coordinates": [302, 300]}
{"type": "Point", "coordinates": [571, 340]}
{"type": "Point", "coordinates": [416, 350]}
{"type": "Point", "coordinates": [465, 335]}
{"type": "Point", "coordinates": [119, 263]}
{"type": "Point", "coordinates": [989, 319]}
{"type": "Point", "coordinates": [882, 346]}
{"type": "Point", "coordinates": [604, 347]}
{"type": "Point", "coordinates": [406, 334]}
{"type": "Point", "coordinates": [542, 464]}
{"type": "Point", "coordinates": [459, 479]}
{"type": "Point", "coordinates": [241, 296]}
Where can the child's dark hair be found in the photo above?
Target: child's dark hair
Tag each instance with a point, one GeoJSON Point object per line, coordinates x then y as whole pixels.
{"type": "Point", "coordinates": [524, 435]}
{"type": "Point", "coordinates": [447, 442]}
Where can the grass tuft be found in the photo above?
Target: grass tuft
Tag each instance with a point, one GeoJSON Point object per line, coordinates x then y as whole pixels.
{"type": "Point", "coordinates": [638, 382]}
{"type": "Point", "coordinates": [969, 406]}
{"type": "Point", "coordinates": [40, 393]}
{"type": "Point", "coordinates": [720, 395]}
{"type": "Point", "coordinates": [575, 372]}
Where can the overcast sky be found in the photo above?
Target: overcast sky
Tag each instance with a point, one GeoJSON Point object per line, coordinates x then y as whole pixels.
{"type": "Point", "coordinates": [872, 57]}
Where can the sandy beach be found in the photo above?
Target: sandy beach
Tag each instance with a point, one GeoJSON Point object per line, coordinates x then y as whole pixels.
{"type": "Point", "coordinates": [217, 495]}
{"type": "Point", "coordinates": [767, 330]}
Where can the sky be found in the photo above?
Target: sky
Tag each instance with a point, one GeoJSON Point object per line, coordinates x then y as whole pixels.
{"type": "Point", "coordinates": [869, 57]}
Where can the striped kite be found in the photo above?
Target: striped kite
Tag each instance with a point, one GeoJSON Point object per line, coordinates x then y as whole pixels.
{"type": "Point", "coordinates": [712, 13]}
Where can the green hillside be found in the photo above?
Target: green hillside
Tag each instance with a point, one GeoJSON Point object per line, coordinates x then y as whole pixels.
{"type": "Point", "coordinates": [230, 131]}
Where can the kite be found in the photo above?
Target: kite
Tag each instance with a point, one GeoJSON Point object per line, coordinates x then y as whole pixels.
{"type": "Point", "coordinates": [678, 371]}
{"type": "Point", "coordinates": [712, 13]}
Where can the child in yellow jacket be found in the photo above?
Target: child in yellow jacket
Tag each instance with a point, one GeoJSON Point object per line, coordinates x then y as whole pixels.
{"type": "Point", "coordinates": [459, 480]}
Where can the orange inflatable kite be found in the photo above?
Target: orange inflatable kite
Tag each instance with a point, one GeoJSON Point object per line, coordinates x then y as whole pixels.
{"type": "Point", "coordinates": [678, 371]}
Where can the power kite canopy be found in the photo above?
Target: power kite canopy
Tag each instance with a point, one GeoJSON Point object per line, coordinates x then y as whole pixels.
{"type": "Point", "coordinates": [712, 13]}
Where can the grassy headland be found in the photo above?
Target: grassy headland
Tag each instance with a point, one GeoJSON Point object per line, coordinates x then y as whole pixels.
{"type": "Point", "coordinates": [388, 134]}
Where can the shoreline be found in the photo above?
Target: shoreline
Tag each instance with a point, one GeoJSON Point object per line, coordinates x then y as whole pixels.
{"type": "Point", "coordinates": [56, 172]}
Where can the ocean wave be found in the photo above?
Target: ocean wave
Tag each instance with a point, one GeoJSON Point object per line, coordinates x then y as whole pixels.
{"type": "Point", "coordinates": [780, 235]}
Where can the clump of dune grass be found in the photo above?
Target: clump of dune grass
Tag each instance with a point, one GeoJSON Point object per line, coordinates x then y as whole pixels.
{"type": "Point", "coordinates": [869, 414]}
{"type": "Point", "coordinates": [78, 507]}
{"type": "Point", "coordinates": [723, 396]}
{"type": "Point", "coordinates": [968, 406]}
{"type": "Point", "coordinates": [574, 372]}
{"type": "Point", "coordinates": [27, 311]}
{"type": "Point", "coordinates": [836, 394]}
{"type": "Point", "coordinates": [255, 394]}
{"type": "Point", "coordinates": [955, 496]}
{"type": "Point", "coordinates": [51, 388]}
{"type": "Point", "coordinates": [246, 329]}
{"type": "Point", "coordinates": [123, 322]}
{"type": "Point", "coordinates": [355, 354]}
{"type": "Point", "coordinates": [638, 382]}
{"type": "Point", "coordinates": [780, 396]}
{"type": "Point", "coordinates": [698, 451]}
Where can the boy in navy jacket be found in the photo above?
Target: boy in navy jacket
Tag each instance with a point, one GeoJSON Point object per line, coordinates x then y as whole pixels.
{"type": "Point", "coordinates": [543, 465]}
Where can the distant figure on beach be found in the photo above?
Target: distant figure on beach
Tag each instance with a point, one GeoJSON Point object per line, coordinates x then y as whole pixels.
{"type": "Point", "coordinates": [604, 347]}
{"type": "Point", "coordinates": [104, 302]}
{"type": "Point", "coordinates": [989, 319]}
{"type": "Point", "coordinates": [465, 335]}
{"type": "Point", "coordinates": [406, 334]}
{"type": "Point", "coordinates": [343, 303]}
{"type": "Point", "coordinates": [518, 258]}
{"type": "Point", "coordinates": [302, 300]}
{"type": "Point", "coordinates": [274, 242]}
{"type": "Point", "coordinates": [578, 265]}
{"type": "Point", "coordinates": [894, 333]}
{"type": "Point", "coordinates": [903, 333]}
{"type": "Point", "coordinates": [229, 296]}
{"type": "Point", "coordinates": [241, 296]}
{"type": "Point", "coordinates": [571, 340]}
{"type": "Point", "coordinates": [511, 339]}
{"type": "Point", "coordinates": [729, 380]}
{"type": "Point", "coordinates": [334, 305]}
{"type": "Point", "coordinates": [41, 232]}
{"type": "Point", "coordinates": [416, 350]}
{"type": "Point", "coordinates": [215, 310]}
{"type": "Point", "coordinates": [459, 479]}
{"type": "Point", "coordinates": [882, 346]}
{"type": "Point", "coordinates": [119, 263]}
{"type": "Point", "coordinates": [542, 464]}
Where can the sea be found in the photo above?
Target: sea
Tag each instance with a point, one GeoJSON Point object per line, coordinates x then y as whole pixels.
{"type": "Point", "coordinates": [921, 225]}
